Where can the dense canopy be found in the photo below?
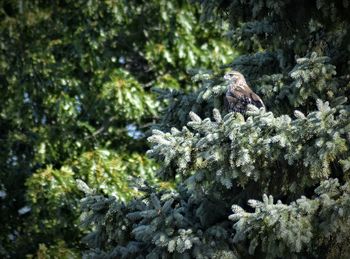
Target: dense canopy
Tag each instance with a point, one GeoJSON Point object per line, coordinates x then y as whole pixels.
{"type": "Point", "coordinates": [271, 184]}
{"type": "Point", "coordinates": [76, 102]}
{"type": "Point", "coordinates": [125, 101]}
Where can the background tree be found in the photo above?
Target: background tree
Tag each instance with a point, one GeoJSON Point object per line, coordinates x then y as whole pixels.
{"type": "Point", "coordinates": [75, 103]}
{"type": "Point", "coordinates": [272, 184]}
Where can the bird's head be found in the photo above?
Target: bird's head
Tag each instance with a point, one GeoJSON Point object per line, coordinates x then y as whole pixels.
{"type": "Point", "coordinates": [234, 76]}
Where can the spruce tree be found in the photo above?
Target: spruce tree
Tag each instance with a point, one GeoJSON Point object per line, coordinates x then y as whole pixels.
{"type": "Point", "coordinates": [271, 184]}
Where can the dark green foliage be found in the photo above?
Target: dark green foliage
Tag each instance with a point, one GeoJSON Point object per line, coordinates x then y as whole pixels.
{"type": "Point", "coordinates": [152, 226]}
{"type": "Point", "coordinates": [281, 229]}
{"type": "Point", "coordinates": [295, 55]}
{"type": "Point", "coordinates": [75, 79]}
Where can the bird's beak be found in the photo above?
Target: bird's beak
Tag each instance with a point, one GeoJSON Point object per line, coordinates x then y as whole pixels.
{"type": "Point", "coordinates": [226, 77]}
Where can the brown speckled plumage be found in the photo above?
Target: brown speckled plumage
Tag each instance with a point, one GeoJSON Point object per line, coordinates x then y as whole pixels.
{"type": "Point", "coordinates": [239, 94]}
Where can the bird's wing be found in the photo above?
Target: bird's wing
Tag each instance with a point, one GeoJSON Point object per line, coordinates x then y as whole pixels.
{"type": "Point", "coordinates": [256, 100]}
{"type": "Point", "coordinates": [239, 95]}
{"type": "Point", "coordinates": [231, 99]}
{"type": "Point", "coordinates": [235, 101]}
{"type": "Point", "coordinates": [247, 96]}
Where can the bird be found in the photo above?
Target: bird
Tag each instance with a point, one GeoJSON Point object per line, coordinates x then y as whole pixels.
{"type": "Point", "coordinates": [239, 94]}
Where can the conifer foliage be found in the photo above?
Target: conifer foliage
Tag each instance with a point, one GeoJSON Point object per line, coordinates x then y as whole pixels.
{"type": "Point", "coordinates": [271, 184]}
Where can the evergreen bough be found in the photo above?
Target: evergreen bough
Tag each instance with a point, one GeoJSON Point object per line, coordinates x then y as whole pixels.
{"type": "Point", "coordinates": [272, 184]}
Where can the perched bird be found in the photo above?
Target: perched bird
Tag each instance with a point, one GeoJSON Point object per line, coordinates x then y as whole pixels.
{"type": "Point", "coordinates": [239, 94]}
